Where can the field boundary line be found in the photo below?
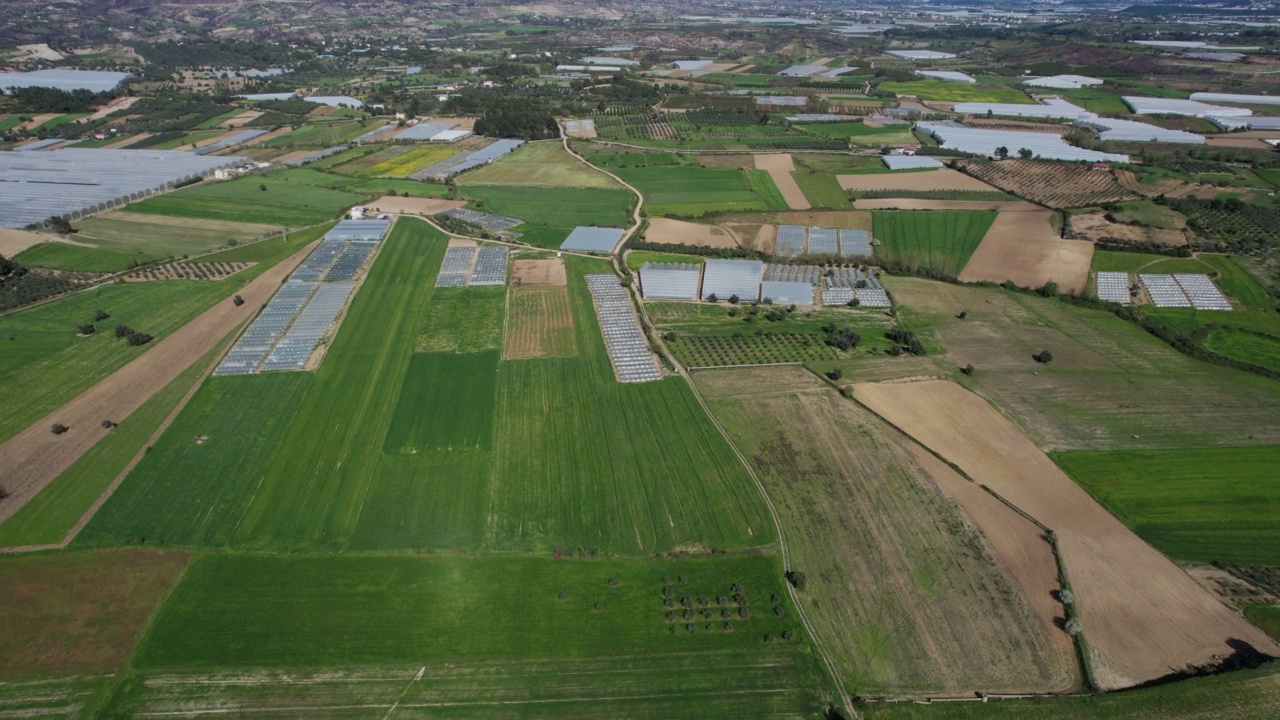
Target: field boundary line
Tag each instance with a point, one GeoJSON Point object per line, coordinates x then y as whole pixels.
{"type": "Point", "coordinates": [1078, 641]}
{"type": "Point", "coordinates": [784, 550]}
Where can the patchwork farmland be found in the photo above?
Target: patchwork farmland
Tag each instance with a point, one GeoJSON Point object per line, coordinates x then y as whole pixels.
{"type": "Point", "coordinates": [691, 378]}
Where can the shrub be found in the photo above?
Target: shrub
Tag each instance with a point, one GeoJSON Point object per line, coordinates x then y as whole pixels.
{"type": "Point", "coordinates": [1043, 356]}
{"type": "Point", "coordinates": [100, 315]}
{"type": "Point", "coordinates": [86, 328]}
{"type": "Point", "coordinates": [237, 300]}
{"type": "Point", "coordinates": [59, 428]}
{"type": "Point", "coordinates": [137, 338]}
{"type": "Point", "coordinates": [796, 578]}
{"type": "Point", "coordinates": [107, 424]}
{"type": "Point", "coordinates": [712, 298]}
{"type": "Point", "coordinates": [123, 331]}
{"type": "Point", "coordinates": [967, 369]}
{"type": "Point", "coordinates": [835, 374]}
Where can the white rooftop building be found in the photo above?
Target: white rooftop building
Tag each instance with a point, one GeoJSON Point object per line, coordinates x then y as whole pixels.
{"type": "Point", "coordinates": [946, 76]}
{"type": "Point", "coordinates": [1063, 82]}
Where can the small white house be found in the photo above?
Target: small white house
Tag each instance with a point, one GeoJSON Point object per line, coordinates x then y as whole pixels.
{"type": "Point", "coordinates": [357, 212]}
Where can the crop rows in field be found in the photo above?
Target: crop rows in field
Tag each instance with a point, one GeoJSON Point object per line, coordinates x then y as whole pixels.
{"type": "Point", "coordinates": [710, 116]}
{"type": "Point", "coordinates": [1049, 183]}
{"type": "Point", "coordinates": [750, 349]}
{"type": "Point", "coordinates": [698, 127]}
{"type": "Point", "coordinates": [187, 271]}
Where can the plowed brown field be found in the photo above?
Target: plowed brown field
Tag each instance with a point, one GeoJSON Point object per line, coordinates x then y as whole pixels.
{"type": "Point", "coordinates": [1144, 617]}
{"type": "Point", "coordinates": [1024, 248]}
{"type": "Point", "coordinates": [539, 323]}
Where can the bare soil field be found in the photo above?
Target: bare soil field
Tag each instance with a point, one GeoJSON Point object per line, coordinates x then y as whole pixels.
{"type": "Point", "coordinates": [539, 323]}
{"type": "Point", "coordinates": [118, 104]}
{"type": "Point", "coordinates": [1110, 385]}
{"type": "Point", "coordinates": [1170, 188]}
{"type": "Point", "coordinates": [462, 242]}
{"type": "Point", "coordinates": [34, 457]}
{"type": "Point", "coordinates": [1052, 184]}
{"type": "Point", "coordinates": [36, 51]}
{"type": "Point", "coordinates": [243, 118]}
{"type": "Point", "coordinates": [539, 272]}
{"type": "Point", "coordinates": [869, 517]}
{"type": "Point", "coordinates": [80, 611]}
{"type": "Point", "coordinates": [13, 242]}
{"type": "Point", "coordinates": [187, 271]}
{"type": "Point", "coordinates": [754, 236]}
{"type": "Point", "coordinates": [1238, 142]}
{"type": "Point", "coordinates": [1095, 226]}
{"type": "Point", "coordinates": [1144, 617]}
{"type": "Point", "coordinates": [38, 120]}
{"type": "Point", "coordinates": [1024, 248]}
{"type": "Point", "coordinates": [679, 232]}
{"type": "Point", "coordinates": [940, 179]}
{"type": "Point", "coordinates": [914, 204]}
{"type": "Point", "coordinates": [131, 139]}
{"type": "Point", "coordinates": [780, 166]}
{"type": "Point", "coordinates": [413, 205]}
{"type": "Point", "coordinates": [1016, 125]}
{"type": "Point", "coordinates": [731, 162]}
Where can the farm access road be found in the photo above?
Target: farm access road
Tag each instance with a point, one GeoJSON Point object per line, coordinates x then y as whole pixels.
{"type": "Point", "coordinates": [35, 457]}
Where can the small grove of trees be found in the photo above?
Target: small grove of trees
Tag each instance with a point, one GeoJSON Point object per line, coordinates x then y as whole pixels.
{"type": "Point", "coordinates": [1026, 153]}
{"type": "Point", "coordinates": [905, 341]}
{"type": "Point", "coordinates": [134, 337]}
{"type": "Point", "coordinates": [842, 338]}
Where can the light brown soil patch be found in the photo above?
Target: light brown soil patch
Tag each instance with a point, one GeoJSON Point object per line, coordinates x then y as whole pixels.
{"type": "Point", "coordinates": [1228, 588]}
{"type": "Point", "coordinates": [131, 139]}
{"type": "Point", "coordinates": [35, 456]}
{"type": "Point", "coordinates": [227, 225]}
{"type": "Point", "coordinates": [1237, 142]}
{"type": "Point", "coordinates": [413, 205]}
{"type": "Point", "coordinates": [538, 272]}
{"type": "Point", "coordinates": [78, 612]}
{"type": "Point", "coordinates": [940, 179]}
{"type": "Point", "coordinates": [780, 166]}
{"type": "Point", "coordinates": [539, 323]}
{"type": "Point", "coordinates": [1095, 226]}
{"type": "Point", "coordinates": [732, 162]}
{"type": "Point", "coordinates": [867, 512]}
{"type": "Point", "coordinates": [116, 105]}
{"type": "Point", "coordinates": [1024, 248]}
{"type": "Point", "coordinates": [678, 232]}
{"type": "Point", "coordinates": [914, 204]}
{"type": "Point", "coordinates": [243, 119]}
{"type": "Point", "coordinates": [13, 242]}
{"type": "Point", "coordinates": [38, 120]}
{"type": "Point", "coordinates": [462, 242]}
{"type": "Point", "coordinates": [1141, 614]}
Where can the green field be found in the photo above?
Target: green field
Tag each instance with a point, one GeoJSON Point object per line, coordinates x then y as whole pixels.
{"type": "Point", "coordinates": [243, 200]}
{"type": "Point", "coordinates": [942, 90]}
{"type": "Point", "coordinates": [243, 611]}
{"type": "Point", "coordinates": [555, 209]}
{"type": "Point", "coordinates": [687, 191]}
{"type": "Point", "coordinates": [821, 189]}
{"type": "Point", "coordinates": [1243, 695]}
{"type": "Point", "coordinates": [289, 465]}
{"type": "Point", "coordinates": [761, 183]}
{"type": "Point", "coordinates": [316, 178]}
{"type": "Point", "coordinates": [538, 164]}
{"type": "Point", "coordinates": [1266, 617]}
{"type": "Point", "coordinates": [636, 258]}
{"type": "Point", "coordinates": [464, 320]}
{"type": "Point", "coordinates": [323, 134]}
{"type": "Point", "coordinates": [939, 240]}
{"type": "Point", "coordinates": [62, 256]}
{"type": "Point", "coordinates": [1196, 505]}
{"type": "Point", "coordinates": [1118, 261]}
{"type": "Point", "coordinates": [426, 420]}
{"type": "Point", "coordinates": [1246, 346]}
{"type": "Point", "coordinates": [47, 517]}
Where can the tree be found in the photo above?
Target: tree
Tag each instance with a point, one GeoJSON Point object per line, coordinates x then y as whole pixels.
{"type": "Point", "coordinates": [60, 225]}
{"type": "Point", "coordinates": [669, 336]}
{"type": "Point", "coordinates": [59, 428]}
{"type": "Point", "coordinates": [962, 314]}
{"type": "Point", "coordinates": [262, 187]}
{"type": "Point", "coordinates": [138, 338]}
{"type": "Point", "coordinates": [123, 331]}
{"type": "Point", "coordinates": [796, 578]}
{"type": "Point", "coordinates": [1066, 596]}
{"type": "Point", "coordinates": [734, 299]}
{"type": "Point", "coordinates": [107, 424]}
{"type": "Point", "coordinates": [100, 315]}
{"type": "Point", "coordinates": [835, 374]}
{"type": "Point", "coordinates": [967, 369]}
{"type": "Point", "coordinates": [85, 328]}
{"type": "Point", "coordinates": [1026, 153]}
{"type": "Point", "coordinates": [237, 300]}
{"type": "Point", "coordinates": [1072, 626]}
{"type": "Point", "coordinates": [1043, 356]}
{"type": "Point", "coordinates": [712, 298]}
{"type": "Point", "coordinates": [1002, 152]}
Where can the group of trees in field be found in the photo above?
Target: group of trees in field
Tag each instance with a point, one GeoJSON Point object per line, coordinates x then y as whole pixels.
{"type": "Point", "coordinates": [19, 286]}
{"type": "Point", "coordinates": [904, 341]}
{"type": "Point", "coordinates": [53, 100]}
{"type": "Point", "coordinates": [90, 328]}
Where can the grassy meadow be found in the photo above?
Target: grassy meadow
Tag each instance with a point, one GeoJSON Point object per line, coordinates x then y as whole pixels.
{"type": "Point", "coordinates": [942, 90]}
{"type": "Point", "coordinates": [1195, 505]}
{"type": "Point", "coordinates": [692, 191]}
{"type": "Point", "coordinates": [941, 241]}
{"type": "Point", "coordinates": [243, 200]}
{"type": "Point", "coordinates": [538, 164]}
